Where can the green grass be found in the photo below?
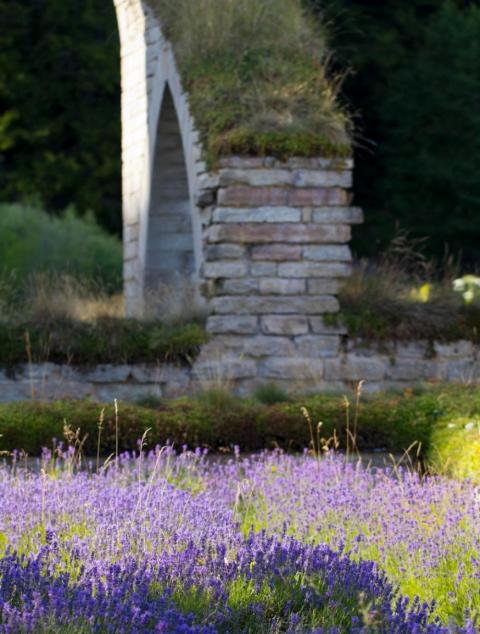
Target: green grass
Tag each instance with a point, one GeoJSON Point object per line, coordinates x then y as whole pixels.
{"type": "Point", "coordinates": [391, 422]}
{"type": "Point", "coordinates": [455, 448]}
{"type": "Point", "coordinates": [257, 77]}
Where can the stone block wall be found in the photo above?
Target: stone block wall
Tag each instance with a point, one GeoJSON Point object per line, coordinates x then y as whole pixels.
{"type": "Point", "coordinates": [275, 243]}
{"type": "Point", "coordinates": [293, 363]}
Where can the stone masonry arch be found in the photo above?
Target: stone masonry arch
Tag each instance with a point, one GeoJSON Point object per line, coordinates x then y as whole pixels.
{"type": "Point", "coordinates": [161, 161]}
{"type": "Point", "coordinates": [265, 241]}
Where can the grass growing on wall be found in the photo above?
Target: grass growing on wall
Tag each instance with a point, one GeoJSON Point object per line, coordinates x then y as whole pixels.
{"type": "Point", "coordinates": [257, 76]}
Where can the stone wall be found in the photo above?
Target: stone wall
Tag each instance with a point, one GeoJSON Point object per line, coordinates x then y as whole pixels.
{"type": "Point", "coordinates": [275, 238]}
{"type": "Point", "coordinates": [393, 366]}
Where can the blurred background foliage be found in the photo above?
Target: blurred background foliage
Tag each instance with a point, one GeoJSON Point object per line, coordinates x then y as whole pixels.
{"type": "Point", "coordinates": [60, 106]}
{"type": "Point", "coordinates": [412, 82]}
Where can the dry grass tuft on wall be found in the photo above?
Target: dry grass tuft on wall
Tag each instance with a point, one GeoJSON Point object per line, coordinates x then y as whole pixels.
{"type": "Point", "coordinates": [257, 73]}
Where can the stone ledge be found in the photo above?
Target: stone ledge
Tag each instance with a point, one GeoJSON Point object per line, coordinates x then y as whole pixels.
{"type": "Point", "coordinates": [354, 368]}
{"type": "Point", "coordinates": [225, 269]}
{"type": "Point", "coordinates": [224, 251]}
{"type": "Point", "coordinates": [276, 176]}
{"type": "Point", "coordinates": [321, 346]}
{"type": "Point", "coordinates": [338, 215]}
{"type": "Point", "coordinates": [232, 324]}
{"type": "Point", "coordinates": [250, 233]}
{"type": "Point", "coordinates": [296, 162]}
{"type": "Point", "coordinates": [258, 214]}
{"type": "Point", "coordinates": [244, 196]}
{"type": "Point", "coordinates": [314, 269]}
{"type": "Point", "coordinates": [264, 305]}
{"type": "Point", "coordinates": [281, 325]}
{"type": "Point", "coordinates": [277, 253]}
{"type": "Point", "coordinates": [291, 368]}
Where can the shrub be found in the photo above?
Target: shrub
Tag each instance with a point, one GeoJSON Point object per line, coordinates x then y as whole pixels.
{"type": "Point", "coordinates": [269, 394]}
{"type": "Point", "coordinates": [33, 242]}
{"type": "Point", "coordinates": [455, 448]}
{"type": "Point", "coordinates": [403, 296]}
{"type": "Point", "coordinates": [386, 421]}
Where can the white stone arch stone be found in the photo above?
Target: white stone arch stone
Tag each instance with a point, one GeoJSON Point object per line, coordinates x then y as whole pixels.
{"type": "Point", "coordinates": [150, 81]}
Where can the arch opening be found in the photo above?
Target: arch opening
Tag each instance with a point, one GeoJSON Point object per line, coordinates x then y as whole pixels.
{"type": "Point", "coordinates": [170, 246]}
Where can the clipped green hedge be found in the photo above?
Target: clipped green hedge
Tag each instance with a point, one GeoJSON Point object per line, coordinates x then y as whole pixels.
{"type": "Point", "coordinates": [107, 340]}
{"type": "Point", "coordinates": [390, 422]}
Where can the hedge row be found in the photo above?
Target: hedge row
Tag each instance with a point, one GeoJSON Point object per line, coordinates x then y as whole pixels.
{"type": "Point", "coordinates": [389, 422]}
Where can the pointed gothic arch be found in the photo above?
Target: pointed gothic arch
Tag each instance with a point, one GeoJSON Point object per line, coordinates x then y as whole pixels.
{"type": "Point", "coordinates": [161, 161]}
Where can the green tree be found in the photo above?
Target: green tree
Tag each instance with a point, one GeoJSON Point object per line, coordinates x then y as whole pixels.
{"type": "Point", "coordinates": [387, 46]}
{"type": "Point", "coordinates": [432, 139]}
{"type": "Point", "coordinates": [60, 105]}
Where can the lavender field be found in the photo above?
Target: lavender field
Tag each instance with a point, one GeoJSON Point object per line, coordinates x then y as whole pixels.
{"type": "Point", "coordinates": [269, 543]}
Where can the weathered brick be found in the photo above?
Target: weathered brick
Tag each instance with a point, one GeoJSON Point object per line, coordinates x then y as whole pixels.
{"type": "Point", "coordinates": [225, 268]}
{"type": "Point", "coordinates": [241, 286]}
{"type": "Point", "coordinates": [458, 349]}
{"type": "Point", "coordinates": [241, 162]}
{"type": "Point", "coordinates": [250, 233]}
{"type": "Point", "coordinates": [314, 269]}
{"type": "Point", "coordinates": [250, 346]}
{"type": "Point", "coordinates": [232, 324]}
{"type": "Point", "coordinates": [317, 196]}
{"type": "Point", "coordinates": [298, 162]}
{"type": "Point", "coordinates": [330, 252]}
{"type": "Point", "coordinates": [464, 370]}
{"type": "Point", "coordinates": [414, 350]}
{"type": "Point", "coordinates": [257, 214]}
{"type": "Point", "coordinates": [244, 196]}
{"type": "Point", "coordinates": [319, 327]}
{"type": "Point", "coordinates": [224, 252]}
{"type": "Point", "coordinates": [208, 180]}
{"type": "Point", "coordinates": [264, 305]}
{"type": "Point", "coordinates": [281, 286]}
{"type": "Point", "coordinates": [318, 346]}
{"type": "Point", "coordinates": [228, 367]}
{"type": "Point", "coordinates": [322, 178]}
{"type": "Point", "coordinates": [415, 370]}
{"type": "Point", "coordinates": [338, 215]}
{"type": "Point", "coordinates": [277, 253]}
{"type": "Point", "coordinates": [255, 177]}
{"type": "Point", "coordinates": [291, 368]}
{"type": "Point", "coordinates": [106, 373]}
{"type": "Point", "coordinates": [261, 269]}
{"type": "Point", "coordinates": [284, 325]}
{"type": "Point", "coordinates": [323, 286]}
{"type": "Point", "coordinates": [353, 368]}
